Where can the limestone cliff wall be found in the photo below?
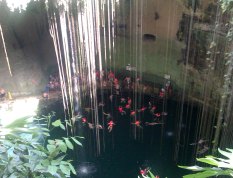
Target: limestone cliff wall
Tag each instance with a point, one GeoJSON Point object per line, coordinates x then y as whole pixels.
{"type": "Point", "coordinates": [157, 17]}
{"type": "Point", "coordinates": [29, 49]}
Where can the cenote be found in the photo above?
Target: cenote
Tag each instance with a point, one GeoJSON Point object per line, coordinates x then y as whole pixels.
{"type": "Point", "coordinates": [116, 88]}
{"type": "Point", "coordinates": [126, 148]}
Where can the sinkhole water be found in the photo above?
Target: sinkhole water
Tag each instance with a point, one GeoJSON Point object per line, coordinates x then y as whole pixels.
{"type": "Point", "coordinates": [126, 148]}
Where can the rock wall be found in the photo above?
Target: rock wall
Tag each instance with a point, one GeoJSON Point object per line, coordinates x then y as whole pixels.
{"type": "Point", "coordinates": [157, 17]}
{"type": "Point", "coordinates": [31, 53]}
{"type": "Point", "coordinates": [29, 49]}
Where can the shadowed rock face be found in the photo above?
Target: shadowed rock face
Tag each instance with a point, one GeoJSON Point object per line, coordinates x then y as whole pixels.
{"type": "Point", "coordinates": [29, 49]}
{"type": "Point", "coordinates": [149, 37]}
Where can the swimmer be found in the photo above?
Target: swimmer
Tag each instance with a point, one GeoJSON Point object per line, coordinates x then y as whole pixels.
{"type": "Point", "coordinates": [127, 80]}
{"type": "Point", "coordinates": [144, 172]}
{"type": "Point", "coordinates": [137, 124]}
{"type": "Point", "coordinates": [89, 109]}
{"type": "Point", "coordinates": [101, 104]}
{"type": "Point", "coordinates": [127, 106]}
{"type": "Point", "coordinates": [90, 125]}
{"type": "Point", "coordinates": [2, 94]}
{"type": "Point", "coordinates": [153, 108]}
{"type": "Point", "coordinates": [162, 93]}
{"type": "Point", "coordinates": [120, 109]}
{"type": "Point", "coordinates": [45, 95]}
{"type": "Point", "coordinates": [163, 113]}
{"type": "Point", "coordinates": [108, 115]}
{"type": "Point", "coordinates": [111, 76]}
{"type": "Point", "coordinates": [129, 101]}
{"type": "Point", "coordinates": [142, 109]}
{"type": "Point", "coordinates": [110, 126]}
{"type": "Point", "coordinates": [116, 81]}
{"type": "Point", "coordinates": [157, 114]}
{"type": "Point", "coordinates": [202, 150]}
{"type": "Point", "coordinates": [111, 97]}
{"type": "Point", "coordinates": [123, 100]}
{"type": "Point", "coordinates": [84, 120]}
{"type": "Point", "coordinates": [132, 113]}
{"type": "Point", "coordinates": [97, 74]}
{"type": "Point", "coordinates": [153, 123]}
{"type": "Point", "coordinates": [201, 141]}
{"type": "Point", "coordinates": [98, 126]}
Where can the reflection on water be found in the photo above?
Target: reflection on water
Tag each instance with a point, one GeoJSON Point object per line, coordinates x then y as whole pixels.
{"type": "Point", "coordinates": [86, 169]}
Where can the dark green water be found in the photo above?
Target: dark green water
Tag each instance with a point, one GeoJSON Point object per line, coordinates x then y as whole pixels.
{"type": "Point", "coordinates": [123, 155]}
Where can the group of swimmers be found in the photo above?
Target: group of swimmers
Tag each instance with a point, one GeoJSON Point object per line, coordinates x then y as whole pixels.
{"type": "Point", "coordinates": [5, 95]}
{"type": "Point", "coordinates": [108, 79]}
{"type": "Point", "coordinates": [125, 82]}
{"type": "Point", "coordinates": [52, 85]}
{"type": "Point", "coordinates": [125, 105]}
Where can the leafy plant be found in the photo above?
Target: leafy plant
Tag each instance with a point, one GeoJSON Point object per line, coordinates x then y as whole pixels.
{"type": "Point", "coordinates": [220, 166]}
{"type": "Point", "coordinates": [26, 152]}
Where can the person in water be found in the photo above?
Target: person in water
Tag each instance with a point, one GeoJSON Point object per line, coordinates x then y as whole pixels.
{"type": "Point", "coordinates": [2, 94]}
{"type": "Point", "coordinates": [45, 93]}
{"type": "Point", "coordinates": [110, 125]}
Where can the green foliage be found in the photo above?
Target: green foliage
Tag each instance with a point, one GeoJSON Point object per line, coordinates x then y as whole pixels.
{"type": "Point", "coordinates": [151, 175]}
{"type": "Point", "coordinates": [23, 153]}
{"type": "Point", "coordinates": [221, 166]}
{"type": "Point", "coordinates": [226, 5]}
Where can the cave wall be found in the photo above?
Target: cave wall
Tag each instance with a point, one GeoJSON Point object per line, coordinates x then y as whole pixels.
{"type": "Point", "coordinates": [29, 48]}
{"type": "Point", "coordinates": [31, 52]}
{"type": "Point", "coordinates": [156, 17]}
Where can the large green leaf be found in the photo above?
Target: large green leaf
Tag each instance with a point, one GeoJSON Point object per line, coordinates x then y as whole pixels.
{"type": "Point", "coordinates": [62, 126]}
{"type": "Point", "coordinates": [28, 165]}
{"type": "Point", "coordinates": [80, 137]}
{"type": "Point", "coordinates": [72, 168]}
{"type": "Point", "coordinates": [227, 154]}
{"type": "Point", "coordinates": [192, 168]}
{"type": "Point", "coordinates": [208, 160]}
{"type": "Point", "coordinates": [21, 122]}
{"type": "Point", "coordinates": [225, 165]}
{"type": "Point", "coordinates": [65, 169]}
{"type": "Point", "coordinates": [51, 148]}
{"type": "Point", "coordinates": [76, 141]}
{"type": "Point", "coordinates": [231, 150]}
{"type": "Point", "coordinates": [51, 142]}
{"type": "Point", "coordinates": [151, 174]}
{"type": "Point", "coordinates": [45, 162]}
{"type": "Point", "coordinates": [44, 129]}
{"type": "Point", "coordinates": [62, 147]}
{"type": "Point", "coordinates": [56, 123]}
{"type": "Point", "coordinates": [39, 153]}
{"type": "Point", "coordinates": [203, 174]}
{"type": "Point", "coordinates": [57, 161]}
{"type": "Point", "coordinates": [52, 169]}
{"type": "Point", "coordinates": [219, 164]}
{"type": "Point", "coordinates": [68, 143]}
{"type": "Point", "coordinates": [46, 134]}
{"type": "Point", "coordinates": [39, 167]}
